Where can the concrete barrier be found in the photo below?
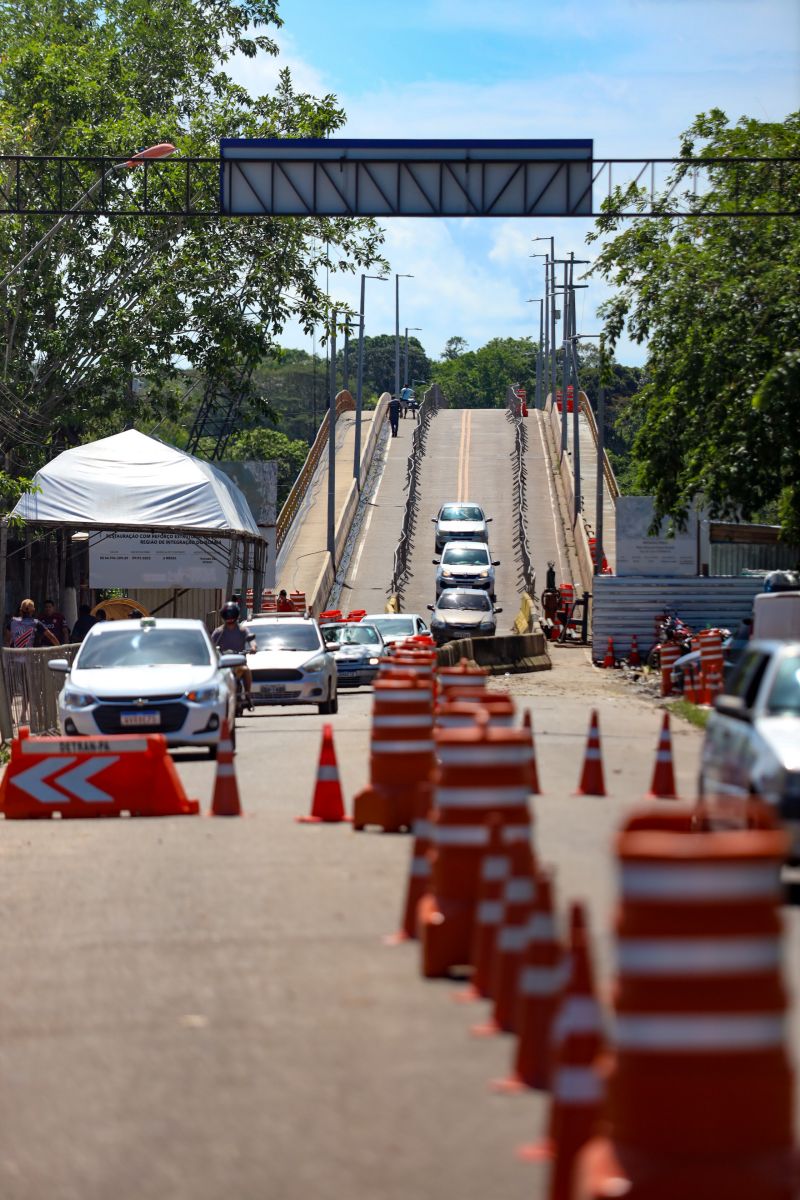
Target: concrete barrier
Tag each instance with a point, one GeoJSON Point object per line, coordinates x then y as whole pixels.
{"type": "Point", "coordinates": [523, 622]}
{"type": "Point", "coordinates": [511, 653]}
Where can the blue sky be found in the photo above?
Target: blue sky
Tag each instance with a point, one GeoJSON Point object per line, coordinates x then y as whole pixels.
{"type": "Point", "coordinates": [631, 74]}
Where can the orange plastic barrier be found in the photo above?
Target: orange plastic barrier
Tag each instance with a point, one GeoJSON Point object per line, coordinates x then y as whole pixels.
{"type": "Point", "coordinates": [459, 706]}
{"type": "Point", "coordinates": [92, 777]}
{"type": "Point", "coordinates": [401, 755]}
{"type": "Point", "coordinates": [462, 674]}
{"type": "Point", "coordinates": [327, 803]}
{"type": "Point", "coordinates": [663, 784]}
{"type": "Point", "coordinates": [670, 653]}
{"type": "Point", "coordinates": [592, 781]}
{"type": "Point", "coordinates": [700, 1097]}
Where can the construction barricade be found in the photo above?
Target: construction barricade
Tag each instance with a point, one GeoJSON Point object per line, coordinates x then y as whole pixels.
{"type": "Point", "coordinates": [401, 755]}
{"type": "Point", "coordinates": [700, 1095]}
{"type": "Point", "coordinates": [92, 777]}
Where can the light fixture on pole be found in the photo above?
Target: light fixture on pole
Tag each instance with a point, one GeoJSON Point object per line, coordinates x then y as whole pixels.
{"type": "Point", "coordinates": [360, 380]}
{"type": "Point", "coordinates": [162, 150]}
{"type": "Point", "coordinates": [415, 329]}
{"type": "Point", "coordinates": [397, 279]}
{"type": "Point", "coordinates": [538, 394]}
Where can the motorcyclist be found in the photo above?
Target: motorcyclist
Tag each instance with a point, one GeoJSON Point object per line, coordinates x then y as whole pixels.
{"type": "Point", "coordinates": [234, 637]}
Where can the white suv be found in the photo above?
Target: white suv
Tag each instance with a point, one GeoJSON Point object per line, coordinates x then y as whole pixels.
{"type": "Point", "coordinates": [291, 664]}
{"type": "Point", "coordinates": [466, 565]}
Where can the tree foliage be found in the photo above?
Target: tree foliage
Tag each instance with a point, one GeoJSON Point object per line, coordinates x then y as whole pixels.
{"type": "Point", "coordinates": [268, 445]}
{"type": "Point", "coordinates": [479, 378]}
{"type": "Point", "coordinates": [717, 300]}
{"type": "Point", "coordinates": [106, 301]}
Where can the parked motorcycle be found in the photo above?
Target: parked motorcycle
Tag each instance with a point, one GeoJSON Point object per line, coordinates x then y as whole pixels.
{"type": "Point", "coordinates": [670, 629]}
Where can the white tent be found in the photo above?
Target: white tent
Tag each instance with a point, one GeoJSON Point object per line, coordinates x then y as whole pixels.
{"type": "Point", "coordinates": [132, 481]}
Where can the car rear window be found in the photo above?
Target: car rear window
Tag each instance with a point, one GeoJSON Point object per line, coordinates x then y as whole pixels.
{"type": "Point", "coordinates": [461, 512]}
{"type": "Point", "coordinates": [150, 647]}
{"type": "Point", "coordinates": [353, 635]}
{"type": "Point", "coordinates": [394, 626]}
{"type": "Point", "coordinates": [466, 556]}
{"type": "Point", "coordinates": [285, 635]}
{"type": "Point", "coordinates": [784, 695]}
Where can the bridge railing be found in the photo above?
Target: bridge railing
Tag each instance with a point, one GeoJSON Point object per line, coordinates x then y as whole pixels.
{"type": "Point", "coordinates": [432, 401]}
{"type": "Point", "coordinates": [519, 475]}
{"type": "Point", "coordinates": [294, 501]}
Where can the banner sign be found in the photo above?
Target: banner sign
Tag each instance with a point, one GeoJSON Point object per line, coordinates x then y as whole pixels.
{"type": "Point", "coordinates": [155, 560]}
{"type": "Point", "coordinates": [640, 554]}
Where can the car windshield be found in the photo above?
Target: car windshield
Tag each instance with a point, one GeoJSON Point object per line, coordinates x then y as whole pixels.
{"type": "Point", "coordinates": [353, 635]}
{"type": "Point", "coordinates": [472, 601]}
{"type": "Point", "coordinates": [461, 512]}
{"type": "Point", "coordinates": [784, 695]}
{"type": "Point", "coordinates": [284, 635]}
{"type": "Point", "coordinates": [150, 647]}
{"type": "Point", "coordinates": [465, 556]}
{"type": "Point", "coordinates": [395, 626]}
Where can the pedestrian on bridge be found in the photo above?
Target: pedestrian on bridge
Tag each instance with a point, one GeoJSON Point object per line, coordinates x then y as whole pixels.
{"type": "Point", "coordinates": [394, 414]}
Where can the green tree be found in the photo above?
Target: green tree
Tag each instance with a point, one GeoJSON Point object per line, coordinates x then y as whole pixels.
{"type": "Point", "coordinates": [717, 300]}
{"type": "Point", "coordinates": [105, 302]}
{"type": "Point", "coordinates": [479, 378]}
{"type": "Point", "coordinates": [453, 347]}
{"type": "Point", "coordinates": [270, 445]}
{"type": "Point", "coordinates": [379, 362]}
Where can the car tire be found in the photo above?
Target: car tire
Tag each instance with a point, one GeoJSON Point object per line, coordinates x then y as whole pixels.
{"type": "Point", "coordinates": [329, 706]}
{"type": "Point", "coordinates": [212, 751]}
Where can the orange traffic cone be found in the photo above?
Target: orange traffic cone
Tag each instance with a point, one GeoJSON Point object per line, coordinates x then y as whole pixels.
{"type": "Point", "coordinates": [328, 802]}
{"type": "Point", "coordinates": [634, 658]}
{"type": "Point", "coordinates": [663, 785]}
{"type": "Point", "coordinates": [610, 659]}
{"type": "Point", "coordinates": [225, 801]}
{"type": "Point", "coordinates": [592, 782]}
{"type": "Point", "coordinates": [527, 723]}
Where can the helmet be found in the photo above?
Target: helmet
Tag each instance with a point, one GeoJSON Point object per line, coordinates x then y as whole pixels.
{"type": "Point", "coordinates": [782, 581]}
{"type": "Point", "coordinates": [230, 611]}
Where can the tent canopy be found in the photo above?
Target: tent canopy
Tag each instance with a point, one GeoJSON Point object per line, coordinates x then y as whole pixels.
{"type": "Point", "coordinates": [132, 481]}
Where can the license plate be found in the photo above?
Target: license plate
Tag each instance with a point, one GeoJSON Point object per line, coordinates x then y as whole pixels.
{"type": "Point", "coordinates": [271, 690]}
{"type": "Point", "coordinates": [138, 720]}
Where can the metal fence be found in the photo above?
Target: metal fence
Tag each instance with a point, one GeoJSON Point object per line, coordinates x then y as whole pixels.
{"type": "Point", "coordinates": [526, 574]}
{"type": "Point", "coordinates": [432, 401]}
{"type": "Point", "coordinates": [30, 689]}
{"type": "Point", "coordinates": [344, 403]}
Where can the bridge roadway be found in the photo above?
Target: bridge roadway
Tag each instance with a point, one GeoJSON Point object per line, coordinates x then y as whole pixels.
{"type": "Point", "coordinates": [194, 1009]}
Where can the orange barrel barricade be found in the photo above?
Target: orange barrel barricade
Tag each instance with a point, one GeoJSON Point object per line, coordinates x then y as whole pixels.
{"type": "Point", "coordinates": [298, 601]}
{"type": "Point", "coordinates": [269, 601]}
{"type": "Point", "coordinates": [700, 1095]}
{"type": "Point", "coordinates": [519, 896]}
{"type": "Point", "coordinates": [480, 770]}
{"type": "Point", "coordinates": [460, 706]}
{"type": "Point", "coordinates": [401, 756]}
{"type": "Point", "coordinates": [711, 664]}
{"type": "Point", "coordinates": [421, 663]}
{"type": "Point", "coordinates": [493, 874]}
{"type": "Point", "coordinates": [670, 653]}
{"type": "Point", "coordinates": [92, 777]}
{"type": "Point", "coordinates": [462, 674]}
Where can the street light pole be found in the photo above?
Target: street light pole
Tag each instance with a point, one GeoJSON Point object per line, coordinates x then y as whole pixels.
{"type": "Point", "coordinates": [397, 279]}
{"type": "Point", "coordinates": [538, 393]}
{"type": "Point", "coordinates": [599, 554]}
{"type": "Point", "coordinates": [416, 328]}
{"type": "Point", "coordinates": [331, 540]}
{"type": "Point", "coordinates": [360, 381]}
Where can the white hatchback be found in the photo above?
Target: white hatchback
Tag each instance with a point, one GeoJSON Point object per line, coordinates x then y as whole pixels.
{"type": "Point", "coordinates": [291, 664]}
{"type": "Point", "coordinates": [395, 627]}
{"type": "Point", "coordinates": [152, 675]}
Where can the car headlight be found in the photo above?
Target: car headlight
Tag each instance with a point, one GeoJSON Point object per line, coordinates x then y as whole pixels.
{"type": "Point", "coordinates": [204, 695]}
{"type": "Point", "coordinates": [373, 662]}
{"type": "Point", "coordinates": [483, 575]}
{"type": "Point", "coordinates": [316, 663]}
{"type": "Point", "coordinates": [436, 622]}
{"type": "Point", "coordinates": [487, 623]}
{"type": "Point", "coordinates": [74, 699]}
{"type": "Point", "coordinates": [447, 572]}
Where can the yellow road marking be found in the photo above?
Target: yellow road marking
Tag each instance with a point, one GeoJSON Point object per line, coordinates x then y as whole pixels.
{"type": "Point", "coordinates": [461, 455]}
{"type": "Point", "coordinates": [465, 477]}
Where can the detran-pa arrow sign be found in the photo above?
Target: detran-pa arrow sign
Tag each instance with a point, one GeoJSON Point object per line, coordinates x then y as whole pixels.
{"type": "Point", "coordinates": [37, 780]}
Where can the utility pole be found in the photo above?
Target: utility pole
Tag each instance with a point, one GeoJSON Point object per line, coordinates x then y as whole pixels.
{"type": "Point", "coordinates": [332, 445]}
{"type": "Point", "coordinates": [360, 381]}
{"type": "Point", "coordinates": [397, 279]}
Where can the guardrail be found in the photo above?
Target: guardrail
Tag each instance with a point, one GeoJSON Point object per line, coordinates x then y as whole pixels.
{"type": "Point", "coordinates": [291, 507]}
{"type": "Point", "coordinates": [30, 689]}
{"type": "Point", "coordinates": [608, 470]}
{"type": "Point", "coordinates": [432, 401]}
{"type": "Point", "coordinates": [526, 573]}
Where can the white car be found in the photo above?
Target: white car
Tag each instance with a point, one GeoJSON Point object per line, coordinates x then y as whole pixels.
{"type": "Point", "coordinates": [291, 664]}
{"type": "Point", "coordinates": [752, 739]}
{"type": "Point", "coordinates": [152, 675]}
{"type": "Point", "coordinates": [395, 627]}
{"type": "Point", "coordinates": [466, 565]}
{"type": "Point", "coordinates": [463, 613]}
{"type": "Point", "coordinates": [356, 647]}
{"type": "Point", "coordinates": [460, 522]}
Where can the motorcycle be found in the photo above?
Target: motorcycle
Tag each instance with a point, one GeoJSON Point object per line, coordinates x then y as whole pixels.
{"type": "Point", "coordinates": [670, 629]}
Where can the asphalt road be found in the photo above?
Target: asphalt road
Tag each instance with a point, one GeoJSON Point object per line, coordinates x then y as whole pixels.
{"type": "Point", "coordinates": [197, 1008]}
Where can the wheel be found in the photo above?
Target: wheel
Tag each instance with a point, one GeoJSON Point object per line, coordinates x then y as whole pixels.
{"type": "Point", "coordinates": [654, 660]}
{"type": "Point", "coordinates": [212, 751]}
{"type": "Point", "coordinates": [329, 706]}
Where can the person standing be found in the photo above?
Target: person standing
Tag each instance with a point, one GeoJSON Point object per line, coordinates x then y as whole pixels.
{"type": "Point", "coordinates": [284, 603]}
{"type": "Point", "coordinates": [55, 622]}
{"type": "Point", "coordinates": [83, 624]}
{"type": "Point", "coordinates": [26, 628]}
{"type": "Point", "coordinates": [394, 414]}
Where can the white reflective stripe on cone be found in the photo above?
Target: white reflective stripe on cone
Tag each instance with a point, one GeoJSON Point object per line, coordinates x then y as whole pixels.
{"type": "Point", "coordinates": [403, 696]}
{"type": "Point", "coordinates": [490, 912]}
{"type": "Point", "coordinates": [420, 866]}
{"type": "Point", "coordinates": [540, 981]}
{"type": "Point", "coordinates": [326, 774]}
{"type": "Point", "coordinates": [577, 1014]}
{"type": "Point", "coordinates": [460, 835]}
{"type": "Point", "coordinates": [455, 797]}
{"type": "Point", "coordinates": [678, 882]}
{"type": "Point", "coordinates": [494, 867]}
{"type": "Point", "coordinates": [420, 720]}
{"type": "Point", "coordinates": [697, 956]}
{"type": "Point", "coordinates": [516, 833]}
{"type": "Point", "coordinates": [577, 1085]}
{"type": "Point", "coordinates": [225, 770]}
{"type": "Point", "coordinates": [699, 1031]}
{"type": "Point", "coordinates": [512, 938]}
{"type": "Point", "coordinates": [519, 891]}
{"type": "Point", "coordinates": [402, 746]}
{"type": "Point", "coordinates": [422, 828]}
{"type": "Point", "coordinates": [542, 927]}
{"type": "Point", "coordinates": [481, 754]}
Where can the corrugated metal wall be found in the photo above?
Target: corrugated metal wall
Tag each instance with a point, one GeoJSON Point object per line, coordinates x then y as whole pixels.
{"type": "Point", "coordinates": [730, 558]}
{"type": "Point", "coordinates": [195, 602]}
{"type": "Point", "coordinates": [627, 605]}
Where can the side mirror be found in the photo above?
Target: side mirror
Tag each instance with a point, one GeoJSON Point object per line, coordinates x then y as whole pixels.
{"type": "Point", "coordinates": [488, 519]}
{"type": "Point", "coordinates": [232, 660]}
{"type": "Point", "coordinates": [495, 562]}
{"type": "Point", "coordinates": [497, 610]}
{"type": "Point", "coordinates": [434, 519]}
{"type": "Point", "coordinates": [60, 665]}
{"type": "Point", "coordinates": [436, 561]}
{"type": "Point", "coordinates": [732, 706]}
{"type": "Point", "coordinates": [429, 607]}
